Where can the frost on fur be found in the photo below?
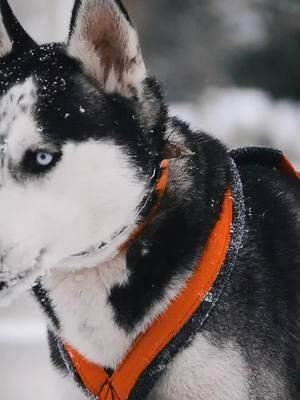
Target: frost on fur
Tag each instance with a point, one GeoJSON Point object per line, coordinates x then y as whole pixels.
{"type": "Point", "coordinates": [104, 40]}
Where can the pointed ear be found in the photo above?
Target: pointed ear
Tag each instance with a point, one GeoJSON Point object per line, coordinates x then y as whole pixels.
{"type": "Point", "coordinates": [12, 35]}
{"type": "Point", "coordinates": [104, 39]}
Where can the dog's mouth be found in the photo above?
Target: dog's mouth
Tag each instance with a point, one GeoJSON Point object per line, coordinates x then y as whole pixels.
{"type": "Point", "coordinates": [11, 288]}
{"type": "Point", "coordinates": [17, 279]}
{"type": "Point", "coordinates": [10, 283]}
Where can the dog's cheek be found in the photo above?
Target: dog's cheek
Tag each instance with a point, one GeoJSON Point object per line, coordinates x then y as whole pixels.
{"type": "Point", "coordinates": [20, 239]}
{"type": "Point", "coordinates": [94, 192]}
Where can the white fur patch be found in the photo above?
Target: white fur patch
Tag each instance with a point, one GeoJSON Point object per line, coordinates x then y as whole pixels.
{"type": "Point", "coordinates": [95, 188]}
{"type": "Point", "coordinates": [5, 43]}
{"type": "Point", "coordinates": [15, 106]}
{"type": "Point", "coordinates": [18, 129]}
{"type": "Point", "coordinates": [205, 372]}
{"type": "Point", "coordinates": [87, 320]}
{"type": "Point", "coordinates": [18, 132]}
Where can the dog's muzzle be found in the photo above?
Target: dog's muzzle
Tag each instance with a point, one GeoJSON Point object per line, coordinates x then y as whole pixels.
{"type": "Point", "coordinates": [10, 279]}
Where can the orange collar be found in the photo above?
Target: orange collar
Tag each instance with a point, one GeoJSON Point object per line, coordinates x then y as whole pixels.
{"type": "Point", "coordinates": [287, 167]}
{"type": "Point", "coordinates": [159, 191]}
{"type": "Point", "coordinates": [120, 385]}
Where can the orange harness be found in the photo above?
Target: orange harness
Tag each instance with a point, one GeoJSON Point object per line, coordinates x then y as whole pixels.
{"type": "Point", "coordinates": [199, 296]}
{"type": "Point", "coordinates": [288, 167]}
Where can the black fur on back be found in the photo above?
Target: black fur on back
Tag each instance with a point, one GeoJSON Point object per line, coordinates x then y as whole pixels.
{"type": "Point", "coordinates": [260, 308]}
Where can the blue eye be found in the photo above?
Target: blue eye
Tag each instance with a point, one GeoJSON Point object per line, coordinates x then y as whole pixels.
{"type": "Point", "coordinates": [43, 158]}
{"type": "Point", "coordinates": [39, 162]}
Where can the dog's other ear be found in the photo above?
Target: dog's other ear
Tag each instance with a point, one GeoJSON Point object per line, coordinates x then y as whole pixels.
{"type": "Point", "coordinates": [104, 39]}
{"type": "Point", "coordinates": [12, 35]}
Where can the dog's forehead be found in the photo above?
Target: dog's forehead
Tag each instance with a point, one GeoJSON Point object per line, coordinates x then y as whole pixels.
{"type": "Point", "coordinates": [49, 66]}
{"type": "Point", "coordinates": [17, 101]}
{"type": "Point", "coordinates": [59, 101]}
{"type": "Point", "coordinates": [30, 82]}
{"type": "Point", "coordinates": [48, 86]}
{"type": "Point", "coordinates": [16, 67]}
{"type": "Point", "coordinates": [18, 128]}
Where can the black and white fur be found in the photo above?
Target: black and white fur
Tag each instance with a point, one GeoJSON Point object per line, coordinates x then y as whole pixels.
{"type": "Point", "coordinates": [83, 128]}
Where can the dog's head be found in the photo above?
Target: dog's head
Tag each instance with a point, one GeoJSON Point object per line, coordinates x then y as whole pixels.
{"type": "Point", "coordinates": [81, 135]}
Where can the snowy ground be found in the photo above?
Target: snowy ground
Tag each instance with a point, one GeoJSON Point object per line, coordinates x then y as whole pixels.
{"type": "Point", "coordinates": [238, 117]}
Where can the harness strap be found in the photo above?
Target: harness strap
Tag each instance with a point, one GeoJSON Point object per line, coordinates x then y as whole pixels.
{"type": "Point", "coordinates": [160, 189]}
{"type": "Point", "coordinates": [163, 330]}
{"type": "Point", "coordinates": [289, 168]}
{"type": "Point", "coordinates": [265, 156]}
{"type": "Point", "coordinates": [177, 326]}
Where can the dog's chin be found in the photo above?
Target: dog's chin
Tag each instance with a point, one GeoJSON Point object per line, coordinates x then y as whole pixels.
{"type": "Point", "coordinates": [12, 288]}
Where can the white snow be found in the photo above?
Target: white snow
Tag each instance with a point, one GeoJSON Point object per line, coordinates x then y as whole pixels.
{"type": "Point", "coordinates": [243, 117]}
{"type": "Point", "coordinates": [25, 332]}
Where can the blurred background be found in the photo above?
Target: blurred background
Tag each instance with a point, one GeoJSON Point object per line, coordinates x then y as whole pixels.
{"type": "Point", "coordinates": [230, 67]}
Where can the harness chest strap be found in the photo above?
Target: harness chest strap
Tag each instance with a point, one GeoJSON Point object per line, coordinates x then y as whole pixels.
{"type": "Point", "coordinates": [122, 383]}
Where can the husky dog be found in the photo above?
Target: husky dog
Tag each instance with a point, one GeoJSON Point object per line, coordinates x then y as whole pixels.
{"type": "Point", "coordinates": [83, 132]}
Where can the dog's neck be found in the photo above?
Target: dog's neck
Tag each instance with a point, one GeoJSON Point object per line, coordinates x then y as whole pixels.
{"type": "Point", "coordinates": [102, 310]}
{"type": "Point", "coordinates": [86, 319]}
